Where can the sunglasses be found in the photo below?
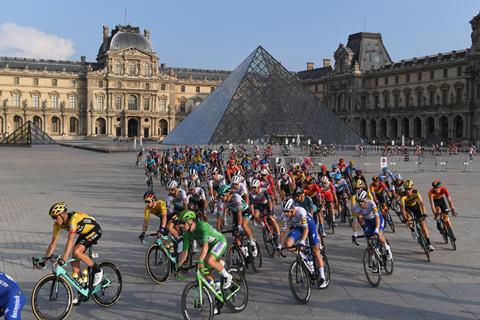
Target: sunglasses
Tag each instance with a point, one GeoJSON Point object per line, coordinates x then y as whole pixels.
{"type": "Point", "coordinates": [148, 201]}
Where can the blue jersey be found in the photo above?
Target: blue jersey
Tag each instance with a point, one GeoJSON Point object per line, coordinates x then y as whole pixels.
{"type": "Point", "coordinates": [341, 186]}
{"type": "Point", "coordinates": [11, 298]}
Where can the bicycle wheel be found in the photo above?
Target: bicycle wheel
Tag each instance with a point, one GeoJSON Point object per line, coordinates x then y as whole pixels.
{"type": "Point", "coordinates": [235, 258]}
{"type": "Point", "coordinates": [326, 267]}
{"type": "Point", "coordinates": [387, 264]}
{"type": "Point", "coordinates": [444, 233]}
{"type": "Point", "coordinates": [269, 242]}
{"type": "Point", "coordinates": [256, 261]}
{"type": "Point", "coordinates": [452, 237]}
{"type": "Point", "coordinates": [52, 298]}
{"type": "Point", "coordinates": [348, 216]}
{"type": "Point", "coordinates": [371, 266]}
{"type": "Point", "coordinates": [390, 221]}
{"type": "Point", "coordinates": [110, 293]}
{"type": "Point", "coordinates": [299, 282]}
{"type": "Point", "coordinates": [196, 303]}
{"type": "Point", "coordinates": [157, 264]}
{"type": "Point", "coordinates": [423, 243]}
{"type": "Point", "coordinates": [238, 302]}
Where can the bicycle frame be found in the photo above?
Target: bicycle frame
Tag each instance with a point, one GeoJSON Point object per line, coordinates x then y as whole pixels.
{"type": "Point", "coordinates": [218, 295]}
{"type": "Point", "coordinates": [159, 242]}
{"type": "Point", "coordinates": [59, 271]}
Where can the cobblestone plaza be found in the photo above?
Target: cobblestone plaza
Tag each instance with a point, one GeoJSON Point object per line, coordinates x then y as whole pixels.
{"type": "Point", "coordinates": [110, 188]}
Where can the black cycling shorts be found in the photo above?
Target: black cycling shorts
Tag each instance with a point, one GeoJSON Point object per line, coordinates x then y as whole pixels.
{"type": "Point", "coordinates": [91, 238]}
{"type": "Point", "coordinates": [415, 211]}
{"type": "Point", "coordinates": [441, 203]}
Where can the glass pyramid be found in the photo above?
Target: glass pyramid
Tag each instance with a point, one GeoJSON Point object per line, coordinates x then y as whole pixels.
{"type": "Point", "coordinates": [261, 100]}
{"type": "Point", "coordinates": [27, 134]}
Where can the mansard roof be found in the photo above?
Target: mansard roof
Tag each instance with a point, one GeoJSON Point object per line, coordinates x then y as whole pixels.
{"type": "Point", "coordinates": [44, 64]}
{"type": "Point", "coordinates": [368, 50]}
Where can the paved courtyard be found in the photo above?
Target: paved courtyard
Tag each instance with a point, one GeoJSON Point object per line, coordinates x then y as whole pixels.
{"type": "Point", "coordinates": [108, 187]}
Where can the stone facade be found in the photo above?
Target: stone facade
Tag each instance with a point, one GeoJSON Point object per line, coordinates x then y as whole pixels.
{"type": "Point", "coordinates": [126, 92]}
{"type": "Point", "coordinates": [430, 98]}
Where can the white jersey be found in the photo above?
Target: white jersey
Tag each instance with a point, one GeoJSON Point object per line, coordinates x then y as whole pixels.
{"type": "Point", "coordinates": [369, 212]}
{"type": "Point", "coordinates": [299, 219]}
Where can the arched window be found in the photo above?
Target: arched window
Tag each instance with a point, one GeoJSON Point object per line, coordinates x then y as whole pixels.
{"type": "Point", "coordinates": [55, 125]}
{"type": "Point", "coordinates": [132, 103]}
{"type": "Point", "coordinates": [17, 121]}
{"type": "Point", "coordinates": [37, 121]}
{"type": "Point", "coordinates": [100, 84]}
{"type": "Point", "coordinates": [162, 87]}
{"type": "Point", "coordinates": [163, 105]}
{"type": "Point", "coordinates": [458, 123]}
{"type": "Point", "coordinates": [163, 127]}
{"type": "Point", "coordinates": [182, 105]}
{"type": "Point", "coordinates": [1, 125]}
{"type": "Point", "coordinates": [73, 125]}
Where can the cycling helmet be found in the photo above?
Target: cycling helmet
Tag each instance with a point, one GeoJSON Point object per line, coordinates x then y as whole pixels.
{"type": "Point", "coordinates": [149, 195]}
{"type": "Point", "coordinates": [231, 162]}
{"type": "Point", "coordinates": [264, 172]}
{"type": "Point", "coordinates": [398, 177]}
{"type": "Point", "coordinates": [57, 209]}
{"type": "Point", "coordinates": [191, 184]}
{"type": "Point", "coordinates": [323, 167]}
{"type": "Point", "coordinates": [193, 172]}
{"type": "Point", "coordinates": [334, 166]}
{"type": "Point", "coordinates": [385, 169]}
{"type": "Point", "coordinates": [172, 184]}
{"type": "Point", "coordinates": [436, 183]}
{"type": "Point", "coordinates": [325, 180]}
{"type": "Point", "coordinates": [255, 183]}
{"type": "Point", "coordinates": [338, 176]}
{"type": "Point", "coordinates": [358, 184]}
{"type": "Point", "coordinates": [298, 191]}
{"type": "Point", "coordinates": [215, 170]}
{"type": "Point", "coordinates": [375, 178]}
{"type": "Point", "coordinates": [409, 184]}
{"type": "Point", "coordinates": [298, 167]}
{"type": "Point", "coordinates": [362, 195]}
{"type": "Point", "coordinates": [185, 216]}
{"type": "Point", "coordinates": [341, 160]}
{"type": "Point", "coordinates": [351, 163]}
{"type": "Point", "coordinates": [238, 173]}
{"type": "Point", "coordinates": [224, 189]}
{"type": "Point", "coordinates": [288, 204]}
{"type": "Point", "coordinates": [257, 169]}
{"type": "Point", "coordinates": [283, 170]}
{"type": "Point", "coordinates": [236, 179]}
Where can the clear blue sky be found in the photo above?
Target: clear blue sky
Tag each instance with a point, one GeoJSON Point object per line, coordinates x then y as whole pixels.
{"type": "Point", "coordinates": [219, 34]}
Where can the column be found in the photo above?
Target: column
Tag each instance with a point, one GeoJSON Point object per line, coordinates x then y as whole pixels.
{"type": "Point", "coordinates": [125, 127]}
{"type": "Point", "coordinates": [410, 129]}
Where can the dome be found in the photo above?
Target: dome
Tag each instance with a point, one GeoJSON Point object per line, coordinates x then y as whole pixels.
{"type": "Point", "coordinates": [124, 37]}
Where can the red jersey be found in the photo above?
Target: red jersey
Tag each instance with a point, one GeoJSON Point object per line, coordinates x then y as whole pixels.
{"type": "Point", "coordinates": [437, 194]}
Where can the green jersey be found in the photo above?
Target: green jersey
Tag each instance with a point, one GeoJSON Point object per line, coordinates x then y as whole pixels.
{"type": "Point", "coordinates": [204, 233]}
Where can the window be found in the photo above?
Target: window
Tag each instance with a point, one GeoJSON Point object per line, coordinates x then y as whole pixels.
{"type": "Point", "coordinates": [118, 67]}
{"type": "Point", "coordinates": [132, 69]}
{"type": "Point", "coordinates": [459, 71]}
{"type": "Point", "coordinates": [16, 80]}
{"type": "Point", "coordinates": [35, 81]}
{"type": "Point", "coordinates": [16, 100]}
{"type": "Point", "coordinates": [163, 105]}
{"type": "Point", "coordinates": [408, 77]}
{"type": "Point", "coordinates": [100, 101]}
{"type": "Point", "coordinates": [445, 96]}
{"type": "Point", "coordinates": [396, 99]}
{"type": "Point", "coordinates": [147, 70]}
{"type": "Point", "coordinates": [162, 87]}
{"type": "Point", "coordinates": [459, 96]}
{"type": "Point", "coordinates": [197, 89]}
{"type": "Point", "coordinates": [386, 100]}
{"type": "Point", "coordinates": [54, 82]}
{"type": "Point", "coordinates": [432, 74]}
{"type": "Point", "coordinates": [73, 125]}
{"type": "Point", "coordinates": [119, 85]}
{"type": "Point", "coordinates": [419, 76]}
{"type": "Point", "coordinates": [212, 89]}
{"type": "Point", "coordinates": [431, 98]}
{"type": "Point", "coordinates": [363, 102]}
{"type": "Point", "coordinates": [182, 105]}
{"type": "Point", "coordinates": [376, 81]}
{"type": "Point", "coordinates": [72, 102]}
{"type": "Point", "coordinates": [376, 101]}
{"type": "Point", "coordinates": [55, 125]}
{"type": "Point", "coordinates": [146, 104]}
{"type": "Point", "coordinates": [407, 99]}
{"type": "Point", "coordinates": [118, 102]}
{"type": "Point", "coordinates": [396, 79]}
{"type": "Point", "coordinates": [35, 101]}
{"type": "Point", "coordinates": [147, 86]}
{"type": "Point", "coordinates": [100, 84]}
{"type": "Point", "coordinates": [54, 101]}
{"type": "Point", "coordinates": [132, 103]}
{"type": "Point", "coordinates": [182, 89]}
{"type": "Point", "coordinates": [445, 73]}
{"type": "Point", "coordinates": [386, 81]}
{"type": "Point", "coordinates": [316, 88]}
{"type": "Point", "coordinates": [419, 98]}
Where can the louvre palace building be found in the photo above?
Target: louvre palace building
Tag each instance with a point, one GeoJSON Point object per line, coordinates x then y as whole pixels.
{"type": "Point", "coordinates": [129, 92]}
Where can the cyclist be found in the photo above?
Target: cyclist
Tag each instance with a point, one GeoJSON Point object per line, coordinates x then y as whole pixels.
{"type": "Point", "coordinates": [231, 169]}
{"type": "Point", "coordinates": [150, 166]}
{"type": "Point", "coordinates": [371, 221]}
{"type": "Point", "coordinates": [197, 201]}
{"type": "Point", "coordinates": [385, 175]}
{"type": "Point", "coordinates": [285, 184]}
{"type": "Point", "coordinates": [240, 212]}
{"type": "Point", "coordinates": [261, 204]}
{"type": "Point", "coordinates": [267, 182]}
{"type": "Point", "coordinates": [212, 244]}
{"type": "Point", "coordinates": [358, 186]}
{"type": "Point", "coordinates": [413, 203]}
{"type": "Point", "coordinates": [177, 201]}
{"type": "Point", "coordinates": [239, 186]}
{"type": "Point", "coordinates": [303, 227]}
{"type": "Point", "coordinates": [437, 196]}
{"type": "Point", "coordinates": [139, 157]}
{"type": "Point", "coordinates": [381, 192]}
{"type": "Point", "coordinates": [157, 208]}
{"type": "Point", "coordinates": [193, 177]}
{"type": "Point", "coordinates": [89, 232]}
{"type": "Point", "coordinates": [215, 182]}
{"type": "Point", "coordinates": [301, 200]}
{"type": "Point", "coordinates": [342, 191]}
{"type": "Point", "coordinates": [350, 171]}
{"type": "Point", "coordinates": [323, 173]}
{"type": "Point", "coordinates": [328, 195]}
{"type": "Point", "coordinates": [12, 298]}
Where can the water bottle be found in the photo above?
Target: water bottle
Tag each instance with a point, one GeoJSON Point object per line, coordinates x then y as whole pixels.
{"type": "Point", "coordinates": [310, 265]}
{"type": "Point", "coordinates": [85, 278]}
{"type": "Point", "coordinates": [217, 285]}
{"type": "Point", "coordinates": [77, 278]}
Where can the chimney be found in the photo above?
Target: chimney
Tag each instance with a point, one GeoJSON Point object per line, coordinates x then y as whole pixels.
{"type": "Point", "coordinates": [105, 33]}
{"type": "Point", "coordinates": [326, 63]}
{"type": "Point", "coordinates": [83, 58]}
{"type": "Point", "coordinates": [310, 65]}
{"type": "Point", "coordinates": [146, 33]}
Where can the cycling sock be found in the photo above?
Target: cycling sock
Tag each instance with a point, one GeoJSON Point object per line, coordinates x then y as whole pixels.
{"type": "Point", "coordinates": [96, 268]}
{"type": "Point", "coordinates": [322, 272]}
{"type": "Point", "coordinates": [428, 241]}
{"type": "Point", "coordinates": [224, 273]}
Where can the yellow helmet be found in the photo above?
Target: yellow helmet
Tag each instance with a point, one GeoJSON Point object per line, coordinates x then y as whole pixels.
{"type": "Point", "coordinates": [56, 209]}
{"type": "Point", "coordinates": [409, 184]}
{"type": "Point", "coordinates": [358, 184]}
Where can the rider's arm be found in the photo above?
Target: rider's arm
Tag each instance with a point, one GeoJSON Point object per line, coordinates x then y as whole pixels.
{"type": "Point", "coordinates": [432, 204]}
{"type": "Point", "coordinates": [449, 199]}
{"type": "Point", "coordinates": [146, 218]}
{"type": "Point", "coordinates": [53, 242]}
{"type": "Point", "coordinates": [69, 245]}
{"type": "Point", "coordinates": [239, 216]}
{"type": "Point", "coordinates": [422, 205]}
{"type": "Point", "coordinates": [203, 252]}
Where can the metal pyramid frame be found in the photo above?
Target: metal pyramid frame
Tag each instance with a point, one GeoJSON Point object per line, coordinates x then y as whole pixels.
{"type": "Point", "coordinates": [27, 135]}
{"type": "Point", "coordinates": [261, 100]}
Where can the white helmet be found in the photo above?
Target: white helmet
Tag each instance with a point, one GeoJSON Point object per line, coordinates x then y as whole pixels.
{"type": "Point", "coordinates": [288, 204]}
{"type": "Point", "coordinates": [283, 170]}
{"type": "Point", "coordinates": [255, 183]}
{"type": "Point", "coordinates": [325, 180]}
{"type": "Point", "coordinates": [238, 173]}
{"type": "Point", "coordinates": [193, 172]}
{"type": "Point", "coordinates": [236, 179]}
{"type": "Point", "coordinates": [362, 195]}
{"type": "Point", "coordinates": [215, 170]}
{"type": "Point", "coordinates": [172, 184]}
{"type": "Point", "coordinates": [264, 172]}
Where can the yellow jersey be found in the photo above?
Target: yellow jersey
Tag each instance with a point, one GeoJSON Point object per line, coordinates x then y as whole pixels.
{"type": "Point", "coordinates": [78, 222]}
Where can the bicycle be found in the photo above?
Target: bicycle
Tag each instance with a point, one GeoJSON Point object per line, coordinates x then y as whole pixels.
{"type": "Point", "coordinates": [327, 218]}
{"type": "Point", "coordinates": [55, 290]}
{"type": "Point", "coordinates": [446, 229]}
{"type": "Point", "coordinates": [270, 239]}
{"type": "Point", "coordinates": [303, 273]}
{"type": "Point", "coordinates": [345, 214]}
{"type": "Point", "coordinates": [240, 255]}
{"type": "Point", "coordinates": [421, 239]}
{"type": "Point", "coordinates": [395, 205]}
{"type": "Point", "coordinates": [199, 296]}
{"type": "Point", "coordinates": [160, 260]}
{"type": "Point", "coordinates": [388, 217]}
{"type": "Point", "coordinates": [149, 181]}
{"type": "Point", "coordinates": [374, 259]}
